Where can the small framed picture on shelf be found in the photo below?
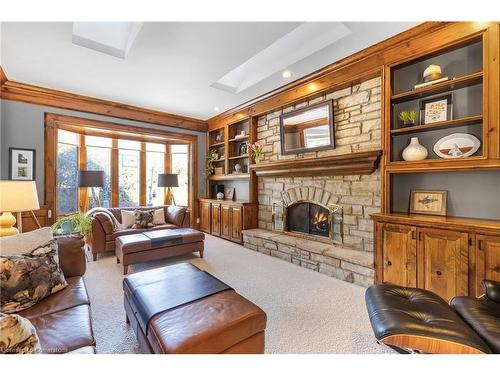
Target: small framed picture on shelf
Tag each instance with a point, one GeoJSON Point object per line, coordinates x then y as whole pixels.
{"type": "Point", "coordinates": [22, 164]}
{"type": "Point", "coordinates": [244, 149]}
{"type": "Point", "coordinates": [428, 202]}
{"type": "Point", "coordinates": [436, 109]}
{"type": "Point", "coordinates": [229, 193]}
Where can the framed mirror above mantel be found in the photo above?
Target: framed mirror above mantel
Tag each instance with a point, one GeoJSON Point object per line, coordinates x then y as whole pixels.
{"type": "Point", "coordinates": [307, 129]}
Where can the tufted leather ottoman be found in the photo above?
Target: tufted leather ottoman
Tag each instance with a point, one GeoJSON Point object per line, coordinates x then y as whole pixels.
{"type": "Point", "coordinates": [411, 319]}
{"type": "Point", "coordinates": [224, 322]}
{"type": "Point", "coordinates": [159, 244]}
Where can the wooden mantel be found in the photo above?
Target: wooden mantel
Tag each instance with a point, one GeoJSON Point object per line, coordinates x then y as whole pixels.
{"type": "Point", "coordinates": [356, 163]}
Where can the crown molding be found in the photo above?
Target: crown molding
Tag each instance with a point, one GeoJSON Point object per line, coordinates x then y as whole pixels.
{"type": "Point", "coordinates": [3, 76]}
{"type": "Point", "coordinates": [26, 93]}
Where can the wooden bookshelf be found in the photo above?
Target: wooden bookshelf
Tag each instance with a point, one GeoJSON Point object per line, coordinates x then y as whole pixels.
{"type": "Point", "coordinates": [439, 125]}
{"type": "Point", "coordinates": [441, 87]}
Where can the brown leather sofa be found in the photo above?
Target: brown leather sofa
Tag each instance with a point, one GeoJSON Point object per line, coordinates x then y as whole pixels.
{"type": "Point", "coordinates": [104, 233]}
{"type": "Point", "coordinates": [62, 320]}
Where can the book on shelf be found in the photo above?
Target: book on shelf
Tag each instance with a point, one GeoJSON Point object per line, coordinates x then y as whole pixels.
{"type": "Point", "coordinates": [425, 84]}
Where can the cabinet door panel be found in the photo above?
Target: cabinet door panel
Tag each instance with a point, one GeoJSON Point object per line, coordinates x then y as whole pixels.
{"type": "Point", "coordinates": [226, 221]}
{"type": "Point", "coordinates": [487, 261]}
{"type": "Point", "coordinates": [205, 216]}
{"type": "Point", "coordinates": [215, 219]}
{"type": "Point", "coordinates": [236, 224]}
{"type": "Point", "coordinates": [396, 249]}
{"type": "Point", "coordinates": [443, 262]}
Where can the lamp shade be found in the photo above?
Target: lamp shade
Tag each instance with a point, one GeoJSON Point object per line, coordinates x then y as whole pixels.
{"type": "Point", "coordinates": [90, 179]}
{"type": "Point", "coordinates": [168, 180]}
{"type": "Point", "coordinates": [18, 196]}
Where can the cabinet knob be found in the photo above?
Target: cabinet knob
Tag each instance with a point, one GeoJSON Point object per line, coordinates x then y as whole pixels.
{"type": "Point", "coordinates": [439, 273]}
{"type": "Point", "coordinates": [389, 263]}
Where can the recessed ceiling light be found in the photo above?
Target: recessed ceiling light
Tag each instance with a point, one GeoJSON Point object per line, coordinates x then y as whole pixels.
{"type": "Point", "coordinates": [286, 74]}
{"type": "Point", "coordinates": [216, 109]}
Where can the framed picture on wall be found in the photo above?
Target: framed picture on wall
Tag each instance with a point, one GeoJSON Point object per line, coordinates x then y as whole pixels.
{"type": "Point", "coordinates": [436, 109]}
{"type": "Point", "coordinates": [428, 202]}
{"type": "Point", "coordinates": [22, 164]}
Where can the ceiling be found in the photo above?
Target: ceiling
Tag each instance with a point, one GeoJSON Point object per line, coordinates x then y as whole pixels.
{"type": "Point", "coordinates": [186, 68]}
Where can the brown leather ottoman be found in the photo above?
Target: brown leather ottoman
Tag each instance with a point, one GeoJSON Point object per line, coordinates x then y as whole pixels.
{"type": "Point", "coordinates": [224, 322]}
{"type": "Point", "coordinates": [158, 244]}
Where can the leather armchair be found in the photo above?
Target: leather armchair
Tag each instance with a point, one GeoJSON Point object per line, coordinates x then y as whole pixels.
{"type": "Point", "coordinates": [104, 234]}
{"type": "Point", "coordinates": [482, 314]}
{"type": "Point", "coordinates": [417, 320]}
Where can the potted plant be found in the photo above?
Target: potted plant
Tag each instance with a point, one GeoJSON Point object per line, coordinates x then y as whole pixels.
{"type": "Point", "coordinates": [256, 152]}
{"type": "Point", "coordinates": [408, 117]}
{"type": "Point", "coordinates": [211, 157]}
{"type": "Point", "coordinates": [74, 223]}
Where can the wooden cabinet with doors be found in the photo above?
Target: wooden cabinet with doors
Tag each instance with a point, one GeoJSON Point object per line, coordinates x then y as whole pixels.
{"type": "Point", "coordinates": [442, 262]}
{"type": "Point", "coordinates": [449, 256]}
{"type": "Point", "coordinates": [397, 254]}
{"type": "Point", "coordinates": [236, 227]}
{"type": "Point", "coordinates": [205, 216]}
{"type": "Point", "coordinates": [227, 219]}
{"type": "Point", "coordinates": [216, 220]}
{"type": "Point", "coordinates": [487, 254]}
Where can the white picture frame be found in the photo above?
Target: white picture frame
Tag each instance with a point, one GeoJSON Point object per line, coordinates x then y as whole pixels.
{"type": "Point", "coordinates": [22, 164]}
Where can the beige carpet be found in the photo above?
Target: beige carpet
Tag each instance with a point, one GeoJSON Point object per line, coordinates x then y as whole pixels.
{"type": "Point", "coordinates": [307, 312]}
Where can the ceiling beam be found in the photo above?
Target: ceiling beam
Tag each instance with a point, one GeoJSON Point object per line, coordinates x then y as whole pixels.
{"type": "Point", "coordinates": [26, 93]}
{"type": "Point", "coordinates": [358, 66]}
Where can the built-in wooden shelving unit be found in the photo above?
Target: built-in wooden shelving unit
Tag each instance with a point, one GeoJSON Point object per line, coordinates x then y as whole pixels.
{"type": "Point", "coordinates": [449, 254]}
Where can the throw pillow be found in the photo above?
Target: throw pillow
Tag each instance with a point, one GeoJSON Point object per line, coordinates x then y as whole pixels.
{"type": "Point", "coordinates": [143, 219]}
{"type": "Point", "coordinates": [128, 218]}
{"type": "Point", "coordinates": [27, 279]}
{"type": "Point", "coordinates": [24, 242]}
{"type": "Point", "coordinates": [18, 335]}
{"type": "Point", "coordinates": [159, 217]}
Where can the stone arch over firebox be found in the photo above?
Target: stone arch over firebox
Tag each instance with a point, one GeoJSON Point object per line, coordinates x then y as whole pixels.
{"type": "Point", "coordinates": [311, 194]}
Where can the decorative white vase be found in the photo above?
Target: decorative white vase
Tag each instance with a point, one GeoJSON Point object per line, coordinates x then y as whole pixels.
{"type": "Point", "coordinates": [414, 151]}
{"type": "Point", "coordinates": [220, 195]}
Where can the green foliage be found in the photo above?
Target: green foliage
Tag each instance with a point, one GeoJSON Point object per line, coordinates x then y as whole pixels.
{"type": "Point", "coordinates": [408, 116]}
{"type": "Point", "coordinates": [78, 221]}
{"type": "Point", "coordinates": [211, 157]}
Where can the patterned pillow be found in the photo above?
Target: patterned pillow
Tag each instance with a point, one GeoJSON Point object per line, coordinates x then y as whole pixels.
{"type": "Point", "coordinates": [143, 219]}
{"type": "Point", "coordinates": [29, 278]}
{"type": "Point", "coordinates": [17, 335]}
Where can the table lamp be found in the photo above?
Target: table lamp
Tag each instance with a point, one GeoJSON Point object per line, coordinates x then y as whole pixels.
{"type": "Point", "coordinates": [168, 180]}
{"type": "Point", "coordinates": [88, 180]}
{"type": "Point", "coordinates": [16, 196]}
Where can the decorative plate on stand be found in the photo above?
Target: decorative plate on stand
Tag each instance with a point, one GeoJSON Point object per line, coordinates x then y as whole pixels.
{"type": "Point", "coordinates": [457, 145]}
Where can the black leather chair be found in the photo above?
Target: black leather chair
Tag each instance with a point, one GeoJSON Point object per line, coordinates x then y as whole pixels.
{"type": "Point", "coordinates": [417, 320]}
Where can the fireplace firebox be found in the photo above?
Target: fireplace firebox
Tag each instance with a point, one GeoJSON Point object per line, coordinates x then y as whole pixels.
{"type": "Point", "coordinates": [317, 218]}
{"type": "Point", "coordinates": [308, 218]}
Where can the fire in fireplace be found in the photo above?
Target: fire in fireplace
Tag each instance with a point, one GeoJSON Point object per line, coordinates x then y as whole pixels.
{"type": "Point", "coordinates": [308, 218]}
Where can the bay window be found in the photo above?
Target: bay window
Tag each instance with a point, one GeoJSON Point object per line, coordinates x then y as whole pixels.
{"type": "Point", "coordinates": [131, 163]}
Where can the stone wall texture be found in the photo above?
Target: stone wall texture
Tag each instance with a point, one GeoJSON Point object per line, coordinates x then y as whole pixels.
{"type": "Point", "coordinates": [357, 120]}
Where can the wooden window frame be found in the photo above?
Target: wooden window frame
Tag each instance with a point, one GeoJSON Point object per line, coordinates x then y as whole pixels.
{"type": "Point", "coordinates": [83, 126]}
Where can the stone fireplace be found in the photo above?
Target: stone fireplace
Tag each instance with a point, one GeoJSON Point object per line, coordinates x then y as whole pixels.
{"type": "Point", "coordinates": [342, 246]}
{"type": "Point", "coordinates": [308, 212]}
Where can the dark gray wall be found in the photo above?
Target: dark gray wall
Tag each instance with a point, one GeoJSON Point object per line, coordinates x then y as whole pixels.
{"type": "Point", "coordinates": [474, 194]}
{"type": "Point", "coordinates": [22, 125]}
